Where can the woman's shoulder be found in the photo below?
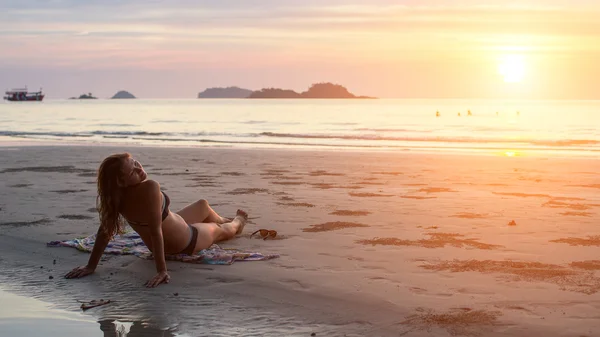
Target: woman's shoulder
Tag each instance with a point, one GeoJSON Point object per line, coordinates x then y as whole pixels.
{"type": "Point", "coordinates": [147, 187]}
{"type": "Point", "coordinates": [149, 183]}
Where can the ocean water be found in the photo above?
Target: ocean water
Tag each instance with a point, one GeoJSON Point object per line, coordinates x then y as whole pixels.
{"type": "Point", "coordinates": [565, 128]}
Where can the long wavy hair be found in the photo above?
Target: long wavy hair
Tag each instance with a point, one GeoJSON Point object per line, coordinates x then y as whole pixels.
{"type": "Point", "coordinates": [110, 193]}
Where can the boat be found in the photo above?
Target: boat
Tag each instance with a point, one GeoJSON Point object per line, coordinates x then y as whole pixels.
{"type": "Point", "coordinates": [22, 95]}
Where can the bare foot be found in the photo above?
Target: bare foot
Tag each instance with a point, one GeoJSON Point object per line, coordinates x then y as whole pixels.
{"type": "Point", "coordinates": [225, 220]}
{"type": "Point", "coordinates": [243, 218]}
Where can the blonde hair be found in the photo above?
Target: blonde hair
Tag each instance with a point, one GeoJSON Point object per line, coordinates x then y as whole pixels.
{"type": "Point", "coordinates": [110, 193]}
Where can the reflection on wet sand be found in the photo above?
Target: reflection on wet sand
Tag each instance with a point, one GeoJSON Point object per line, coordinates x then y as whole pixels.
{"type": "Point", "coordinates": [114, 328]}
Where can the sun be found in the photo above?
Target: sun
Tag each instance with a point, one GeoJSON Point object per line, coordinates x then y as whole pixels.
{"type": "Point", "coordinates": [512, 68]}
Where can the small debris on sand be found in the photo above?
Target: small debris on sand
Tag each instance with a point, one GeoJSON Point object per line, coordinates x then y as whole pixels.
{"type": "Point", "coordinates": [93, 304]}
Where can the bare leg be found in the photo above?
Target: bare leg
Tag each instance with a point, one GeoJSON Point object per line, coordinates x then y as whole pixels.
{"type": "Point", "coordinates": [209, 233]}
{"type": "Point", "coordinates": [236, 226]}
{"type": "Point", "coordinates": [200, 211]}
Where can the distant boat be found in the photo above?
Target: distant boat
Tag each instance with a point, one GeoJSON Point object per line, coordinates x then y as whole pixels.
{"type": "Point", "coordinates": [22, 95]}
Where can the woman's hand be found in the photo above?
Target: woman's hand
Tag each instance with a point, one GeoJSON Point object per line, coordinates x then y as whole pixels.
{"type": "Point", "coordinates": [80, 272]}
{"type": "Point", "coordinates": [161, 277]}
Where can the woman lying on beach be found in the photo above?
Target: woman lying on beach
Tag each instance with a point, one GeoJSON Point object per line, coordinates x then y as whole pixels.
{"type": "Point", "coordinates": [124, 192]}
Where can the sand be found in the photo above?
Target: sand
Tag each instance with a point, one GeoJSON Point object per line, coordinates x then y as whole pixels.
{"type": "Point", "coordinates": [371, 244]}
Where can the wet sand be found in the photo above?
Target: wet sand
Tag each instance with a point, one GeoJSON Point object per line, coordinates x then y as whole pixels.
{"type": "Point", "coordinates": [379, 244]}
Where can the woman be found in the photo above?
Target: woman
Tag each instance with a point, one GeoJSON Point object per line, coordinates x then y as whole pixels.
{"type": "Point", "coordinates": [124, 192]}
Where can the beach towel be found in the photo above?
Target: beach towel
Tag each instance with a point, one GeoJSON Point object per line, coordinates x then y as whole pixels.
{"type": "Point", "coordinates": [131, 244]}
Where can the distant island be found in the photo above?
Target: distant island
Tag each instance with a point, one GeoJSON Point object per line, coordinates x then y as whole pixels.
{"type": "Point", "coordinates": [84, 96]}
{"type": "Point", "coordinates": [122, 95]}
{"type": "Point", "coordinates": [317, 90]}
{"type": "Point", "coordinates": [229, 92]}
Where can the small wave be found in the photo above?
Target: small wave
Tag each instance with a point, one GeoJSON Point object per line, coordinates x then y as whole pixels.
{"type": "Point", "coordinates": [392, 130]}
{"type": "Point", "coordinates": [165, 121]}
{"type": "Point", "coordinates": [255, 122]}
{"type": "Point", "coordinates": [251, 142]}
{"type": "Point", "coordinates": [353, 138]}
{"type": "Point", "coordinates": [351, 146]}
{"type": "Point", "coordinates": [345, 123]}
{"type": "Point", "coordinates": [566, 142]}
{"type": "Point", "coordinates": [490, 129]}
{"type": "Point", "coordinates": [102, 124]}
{"type": "Point", "coordinates": [41, 134]}
{"type": "Point", "coordinates": [130, 133]}
{"type": "Point", "coordinates": [126, 134]}
{"type": "Point", "coordinates": [553, 143]}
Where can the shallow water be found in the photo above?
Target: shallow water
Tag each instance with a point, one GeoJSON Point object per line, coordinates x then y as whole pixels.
{"type": "Point", "coordinates": [515, 127]}
{"type": "Point", "coordinates": [37, 304]}
{"type": "Point", "coordinates": [23, 316]}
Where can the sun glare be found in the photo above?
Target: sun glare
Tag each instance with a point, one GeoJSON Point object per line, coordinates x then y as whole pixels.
{"type": "Point", "coordinates": [512, 68]}
{"type": "Point", "coordinates": [512, 153]}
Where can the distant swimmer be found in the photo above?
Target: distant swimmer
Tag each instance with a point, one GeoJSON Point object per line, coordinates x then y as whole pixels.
{"type": "Point", "coordinates": [459, 114]}
{"type": "Point", "coordinates": [437, 114]}
{"type": "Point", "coordinates": [469, 113]}
{"type": "Point", "coordinates": [518, 113]}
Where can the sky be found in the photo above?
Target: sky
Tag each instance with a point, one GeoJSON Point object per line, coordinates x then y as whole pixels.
{"type": "Point", "coordinates": [530, 49]}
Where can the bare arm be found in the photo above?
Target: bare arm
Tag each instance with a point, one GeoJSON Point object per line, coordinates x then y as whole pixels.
{"type": "Point", "coordinates": [100, 244]}
{"type": "Point", "coordinates": [159, 248]}
{"type": "Point", "coordinates": [155, 226]}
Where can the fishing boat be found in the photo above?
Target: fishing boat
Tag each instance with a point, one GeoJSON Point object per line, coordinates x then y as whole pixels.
{"type": "Point", "coordinates": [22, 95]}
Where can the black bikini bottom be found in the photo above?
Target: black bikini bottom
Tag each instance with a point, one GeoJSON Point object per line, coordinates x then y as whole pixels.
{"type": "Point", "coordinates": [189, 250]}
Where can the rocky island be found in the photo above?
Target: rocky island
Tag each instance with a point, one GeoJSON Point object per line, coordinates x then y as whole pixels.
{"type": "Point", "coordinates": [122, 95]}
{"type": "Point", "coordinates": [317, 90]}
{"type": "Point", "coordinates": [84, 96]}
{"type": "Point", "coordinates": [229, 92]}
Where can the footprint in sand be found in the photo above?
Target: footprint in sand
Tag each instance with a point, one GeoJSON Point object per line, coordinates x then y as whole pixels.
{"type": "Point", "coordinates": [74, 217]}
{"type": "Point", "coordinates": [332, 226]}
{"type": "Point", "coordinates": [342, 212]}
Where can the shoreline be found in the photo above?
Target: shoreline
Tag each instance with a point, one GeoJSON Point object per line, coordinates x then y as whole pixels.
{"type": "Point", "coordinates": [19, 311]}
{"type": "Point", "coordinates": [450, 151]}
{"type": "Point", "coordinates": [366, 241]}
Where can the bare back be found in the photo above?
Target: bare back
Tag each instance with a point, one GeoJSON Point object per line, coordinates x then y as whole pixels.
{"type": "Point", "coordinates": [134, 207]}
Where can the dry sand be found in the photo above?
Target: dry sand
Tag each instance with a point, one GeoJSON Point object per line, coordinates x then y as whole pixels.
{"type": "Point", "coordinates": [371, 244]}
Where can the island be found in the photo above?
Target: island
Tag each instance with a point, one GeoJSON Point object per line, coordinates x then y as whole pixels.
{"type": "Point", "coordinates": [275, 93]}
{"type": "Point", "coordinates": [229, 92]}
{"type": "Point", "coordinates": [317, 90]}
{"type": "Point", "coordinates": [122, 94]}
{"type": "Point", "coordinates": [84, 96]}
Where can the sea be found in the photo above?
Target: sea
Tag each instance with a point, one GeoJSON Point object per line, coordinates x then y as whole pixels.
{"type": "Point", "coordinates": [510, 127]}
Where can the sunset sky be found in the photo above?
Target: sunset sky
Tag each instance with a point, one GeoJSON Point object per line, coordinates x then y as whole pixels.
{"type": "Point", "coordinates": [539, 49]}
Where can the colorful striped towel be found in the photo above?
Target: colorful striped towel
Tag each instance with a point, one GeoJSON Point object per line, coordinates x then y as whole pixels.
{"type": "Point", "coordinates": [131, 244]}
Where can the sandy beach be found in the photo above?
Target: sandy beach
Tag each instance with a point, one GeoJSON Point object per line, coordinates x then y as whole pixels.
{"type": "Point", "coordinates": [370, 244]}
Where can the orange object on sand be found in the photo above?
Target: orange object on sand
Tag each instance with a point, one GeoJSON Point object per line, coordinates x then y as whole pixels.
{"type": "Point", "coordinates": [265, 233]}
